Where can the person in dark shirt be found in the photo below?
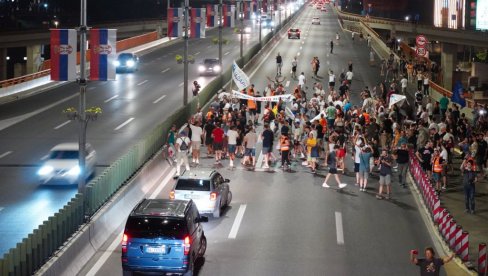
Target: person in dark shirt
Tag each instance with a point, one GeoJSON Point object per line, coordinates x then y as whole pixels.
{"type": "Point", "coordinates": [430, 266]}
{"type": "Point", "coordinates": [402, 161]}
{"type": "Point", "coordinates": [267, 137]}
{"type": "Point", "coordinates": [209, 127]}
{"type": "Point", "coordinates": [424, 155]}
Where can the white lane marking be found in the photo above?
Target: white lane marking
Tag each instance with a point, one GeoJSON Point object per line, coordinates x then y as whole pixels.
{"type": "Point", "coordinates": [226, 53]}
{"type": "Point", "coordinates": [111, 248]}
{"type": "Point", "coordinates": [165, 70]}
{"type": "Point", "coordinates": [62, 125]}
{"type": "Point", "coordinates": [5, 154]}
{"type": "Point", "coordinates": [339, 229]}
{"type": "Point", "coordinates": [197, 53]}
{"type": "Point", "coordinates": [301, 47]}
{"type": "Point", "coordinates": [259, 162]}
{"type": "Point", "coordinates": [44, 157]}
{"type": "Point", "coordinates": [112, 98]}
{"type": "Point", "coordinates": [159, 99]}
{"type": "Point", "coordinates": [124, 124]}
{"type": "Point", "coordinates": [287, 83]}
{"type": "Point", "coordinates": [91, 88]}
{"type": "Point", "coordinates": [181, 84]}
{"type": "Point", "coordinates": [237, 221]}
{"type": "Point", "coordinates": [143, 82]}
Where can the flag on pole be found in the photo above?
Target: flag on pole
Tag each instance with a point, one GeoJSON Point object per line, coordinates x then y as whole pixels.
{"type": "Point", "coordinates": [103, 54]}
{"type": "Point", "coordinates": [197, 23]}
{"type": "Point", "coordinates": [212, 15]}
{"type": "Point", "coordinates": [396, 99]}
{"type": "Point", "coordinates": [175, 22]}
{"type": "Point", "coordinates": [458, 94]}
{"type": "Point", "coordinates": [229, 12]}
{"type": "Point", "coordinates": [247, 9]}
{"type": "Point", "coordinates": [239, 77]}
{"type": "Point", "coordinates": [63, 54]}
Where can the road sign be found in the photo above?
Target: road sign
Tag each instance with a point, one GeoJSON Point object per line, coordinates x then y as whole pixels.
{"type": "Point", "coordinates": [421, 41]}
{"type": "Point", "coordinates": [421, 52]}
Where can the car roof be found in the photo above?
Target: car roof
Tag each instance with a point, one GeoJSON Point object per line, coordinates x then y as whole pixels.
{"type": "Point", "coordinates": [161, 207]}
{"type": "Point", "coordinates": [205, 174]}
{"type": "Point", "coordinates": [66, 146]}
{"type": "Point", "coordinates": [294, 29]}
{"type": "Point", "coordinates": [315, 17]}
{"type": "Point", "coordinates": [211, 60]}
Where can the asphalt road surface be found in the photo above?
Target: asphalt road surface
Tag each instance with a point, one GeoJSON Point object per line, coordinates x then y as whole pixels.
{"type": "Point", "coordinates": [132, 105]}
{"type": "Point", "coordinates": [283, 223]}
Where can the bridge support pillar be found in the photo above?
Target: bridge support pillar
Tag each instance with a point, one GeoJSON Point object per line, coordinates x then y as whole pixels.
{"type": "Point", "coordinates": [448, 64]}
{"type": "Point", "coordinates": [3, 63]}
{"type": "Point", "coordinates": [34, 60]}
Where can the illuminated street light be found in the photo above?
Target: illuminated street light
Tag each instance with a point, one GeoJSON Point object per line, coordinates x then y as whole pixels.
{"type": "Point", "coordinates": [56, 23]}
{"type": "Point", "coordinates": [407, 18]}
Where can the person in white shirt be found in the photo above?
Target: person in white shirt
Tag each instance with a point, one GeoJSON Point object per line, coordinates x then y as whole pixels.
{"type": "Point", "coordinates": [404, 82]}
{"type": "Point", "coordinates": [196, 140]}
{"type": "Point", "coordinates": [430, 108]}
{"type": "Point", "coordinates": [182, 145]}
{"type": "Point", "coordinates": [332, 78]}
{"type": "Point", "coordinates": [302, 81]}
{"type": "Point", "coordinates": [426, 85]}
{"type": "Point", "coordinates": [349, 75]}
{"type": "Point", "coordinates": [250, 141]}
{"type": "Point", "coordinates": [232, 136]}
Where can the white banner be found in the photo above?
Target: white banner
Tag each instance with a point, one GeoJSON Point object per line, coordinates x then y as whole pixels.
{"type": "Point", "coordinates": [240, 95]}
{"type": "Point", "coordinates": [239, 77]}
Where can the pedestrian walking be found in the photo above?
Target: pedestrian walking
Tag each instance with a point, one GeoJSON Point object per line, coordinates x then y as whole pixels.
{"type": "Point", "coordinates": [196, 139]}
{"type": "Point", "coordinates": [294, 64]}
{"type": "Point", "coordinates": [250, 140]}
{"type": "Point", "coordinates": [267, 137]}
{"type": "Point", "coordinates": [371, 57]}
{"type": "Point", "coordinates": [338, 37]}
{"type": "Point", "coordinates": [218, 142]}
{"type": "Point", "coordinates": [332, 164]}
{"type": "Point", "coordinates": [331, 46]}
{"type": "Point", "coordinates": [469, 179]}
{"type": "Point", "coordinates": [426, 84]}
{"type": "Point", "coordinates": [279, 64]}
{"type": "Point", "coordinates": [430, 265]}
{"type": "Point", "coordinates": [364, 168]}
{"type": "Point", "coordinates": [385, 162]}
{"type": "Point", "coordinates": [232, 136]}
{"type": "Point", "coordinates": [437, 168]}
{"type": "Point", "coordinates": [182, 146]}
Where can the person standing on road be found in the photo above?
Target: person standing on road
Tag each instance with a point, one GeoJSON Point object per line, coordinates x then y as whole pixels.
{"type": "Point", "coordinates": [218, 142]}
{"type": "Point", "coordinates": [294, 64]}
{"type": "Point", "coordinates": [424, 156]}
{"type": "Point", "coordinates": [267, 137]}
{"type": "Point", "coordinates": [385, 174]}
{"type": "Point", "coordinates": [302, 81]}
{"type": "Point", "coordinates": [332, 164]}
{"type": "Point", "coordinates": [331, 46]}
{"type": "Point", "coordinates": [232, 136]}
{"type": "Point", "coordinates": [338, 37]}
{"type": "Point", "coordinates": [426, 84]}
{"type": "Point", "coordinates": [332, 79]}
{"type": "Point", "coordinates": [182, 146]}
{"type": "Point", "coordinates": [430, 266]}
{"type": "Point", "coordinates": [250, 141]}
{"type": "Point", "coordinates": [404, 82]}
{"type": "Point", "coordinates": [196, 140]}
{"type": "Point", "coordinates": [402, 160]}
{"type": "Point", "coordinates": [285, 150]}
{"type": "Point", "coordinates": [469, 179]}
{"type": "Point", "coordinates": [279, 64]}
{"type": "Point", "coordinates": [364, 168]}
{"type": "Point", "coordinates": [349, 75]}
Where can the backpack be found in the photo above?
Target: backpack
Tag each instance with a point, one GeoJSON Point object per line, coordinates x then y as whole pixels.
{"type": "Point", "coordinates": [184, 145]}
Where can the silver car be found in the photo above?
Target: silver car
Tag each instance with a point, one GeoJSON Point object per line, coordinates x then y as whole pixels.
{"type": "Point", "coordinates": [206, 187]}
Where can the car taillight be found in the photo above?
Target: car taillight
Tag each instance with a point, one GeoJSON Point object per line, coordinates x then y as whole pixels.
{"type": "Point", "coordinates": [125, 239]}
{"type": "Point", "coordinates": [213, 196]}
{"type": "Point", "coordinates": [172, 195]}
{"type": "Point", "coordinates": [186, 245]}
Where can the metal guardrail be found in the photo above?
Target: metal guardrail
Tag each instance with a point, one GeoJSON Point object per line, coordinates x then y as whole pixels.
{"type": "Point", "coordinates": [30, 254]}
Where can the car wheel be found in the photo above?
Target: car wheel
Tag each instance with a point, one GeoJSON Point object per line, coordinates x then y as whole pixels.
{"type": "Point", "coordinates": [203, 247]}
{"type": "Point", "coordinates": [127, 273]}
{"type": "Point", "coordinates": [216, 213]}
{"type": "Point", "coordinates": [229, 199]}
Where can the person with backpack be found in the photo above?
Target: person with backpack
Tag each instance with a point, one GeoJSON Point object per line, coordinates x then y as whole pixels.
{"type": "Point", "coordinates": [182, 146]}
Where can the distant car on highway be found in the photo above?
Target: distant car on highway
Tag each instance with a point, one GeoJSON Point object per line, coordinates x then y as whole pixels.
{"type": "Point", "coordinates": [127, 62]}
{"type": "Point", "coordinates": [207, 188]}
{"type": "Point", "coordinates": [323, 8]}
{"type": "Point", "coordinates": [163, 236]}
{"type": "Point", "coordinates": [315, 21]}
{"type": "Point", "coordinates": [61, 165]}
{"type": "Point", "coordinates": [294, 33]}
{"type": "Point", "coordinates": [210, 66]}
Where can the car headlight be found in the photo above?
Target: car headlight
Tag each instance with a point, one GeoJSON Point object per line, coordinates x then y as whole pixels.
{"type": "Point", "coordinates": [117, 63]}
{"type": "Point", "coordinates": [247, 29]}
{"type": "Point", "coordinates": [201, 68]}
{"type": "Point", "coordinates": [216, 68]}
{"type": "Point", "coordinates": [75, 171]}
{"type": "Point", "coordinates": [130, 63]}
{"type": "Point", "coordinates": [45, 170]}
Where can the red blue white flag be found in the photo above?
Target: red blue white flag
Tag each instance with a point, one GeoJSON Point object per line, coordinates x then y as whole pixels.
{"type": "Point", "coordinates": [229, 12]}
{"type": "Point", "coordinates": [63, 54]}
{"type": "Point", "coordinates": [102, 54]}
{"type": "Point", "coordinates": [197, 23]}
{"type": "Point", "coordinates": [175, 22]}
{"type": "Point", "coordinates": [247, 9]}
{"type": "Point", "coordinates": [212, 15]}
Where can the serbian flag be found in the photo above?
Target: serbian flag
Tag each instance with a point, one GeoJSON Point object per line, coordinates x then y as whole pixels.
{"type": "Point", "coordinates": [175, 22]}
{"type": "Point", "coordinates": [63, 54]}
{"type": "Point", "coordinates": [254, 6]}
{"type": "Point", "coordinates": [102, 54]}
{"type": "Point", "coordinates": [197, 23]}
{"type": "Point", "coordinates": [229, 12]}
{"type": "Point", "coordinates": [212, 15]}
{"type": "Point", "coordinates": [247, 9]}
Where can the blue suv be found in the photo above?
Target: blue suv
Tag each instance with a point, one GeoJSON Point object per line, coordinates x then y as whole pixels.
{"type": "Point", "coordinates": [163, 236]}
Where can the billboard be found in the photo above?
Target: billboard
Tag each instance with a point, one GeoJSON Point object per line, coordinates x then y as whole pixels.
{"type": "Point", "coordinates": [482, 15]}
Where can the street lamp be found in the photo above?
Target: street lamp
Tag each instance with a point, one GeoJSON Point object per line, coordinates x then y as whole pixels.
{"type": "Point", "coordinates": [407, 18]}
{"type": "Point", "coordinates": [185, 61]}
{"type": "Point", "coordinates": [259, 20]}
{"type": "Point", "coordinates": [81, 116]}
{"type": "Point", "coordinates": [56, 23]}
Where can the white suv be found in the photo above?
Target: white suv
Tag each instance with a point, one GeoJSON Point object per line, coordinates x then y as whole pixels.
{"type": "Point", "coordinates": [315, 21]}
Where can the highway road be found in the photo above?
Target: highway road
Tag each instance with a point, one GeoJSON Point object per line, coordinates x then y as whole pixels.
{"type": "Point", "coordinates": [132, 105]}
{"type": "Point", "coordinates": [286, 223]}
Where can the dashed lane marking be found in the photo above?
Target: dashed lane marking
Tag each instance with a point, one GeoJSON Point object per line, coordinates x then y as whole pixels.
{"type": "Point", "coordinates": [226, 53]}
{"type": "Point", "coordinates": [4, 155]}
{"type": "Point", "coordinates": [181, 84]}
{"type": "Point", "coordinates": [237, 221]}
{"type": "Point", "coordinates": [339, 229]}
{"type": "Point", "coordinates": [287, 83]}
{"type": "Point", "coordinates": [124, 124]}
{"type": "Point", "coordinates": [165, 70]}
{"type": "Point", "coordinates": [111, 98]}
{"type": "Point", "coordinates": [197, 53]}
{"type": "Point", "coordinates": [143, 82]}
{"type": "Point", "coordinates": [62, 125]}
{"type": "Point", "coordinates": [159, 99]}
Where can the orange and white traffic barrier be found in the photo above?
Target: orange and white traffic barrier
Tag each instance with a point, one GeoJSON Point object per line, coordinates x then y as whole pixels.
{"type": "Point", "coordinates": [437, 209]}
{"type": "Point", "coordinates": [482, 259]}
{"type": "Point", "coordinates": [449, 225]}
{"type": "Point", "coordinates": [445, 225]}
{"type": "Point", "coordinates": [459, 239]}
{"type": "Point", "coordinates": [465, 246]}
{"type": "Point", "coordinates": [452, 235]}
{"type": "Point", "coordinates": [443, 217]}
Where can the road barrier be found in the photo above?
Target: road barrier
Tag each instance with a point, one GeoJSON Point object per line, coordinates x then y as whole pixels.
{"type": "Point", "coordinates": [30, 254]}
{"type": "Point", "coordinates": [482, 259]}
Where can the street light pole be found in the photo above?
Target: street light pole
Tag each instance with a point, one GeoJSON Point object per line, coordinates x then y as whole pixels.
{"type": "Point", "coordinates": [185, 57]}
{"type": "Point", "coordinates": [259, 19]}
{"type": "Point", "coordinates": [279, 11]}
{"type": "Point", "coordinates": [241, 18]}
{"type": "Point", "coordinates": [221, 18]}
{"type": "Point", "coordinates": [82, 101]}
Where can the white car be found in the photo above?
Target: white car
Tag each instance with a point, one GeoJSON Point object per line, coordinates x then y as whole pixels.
{"type": "Point", "coordinates": [323, 9]}
{"type": "Point", "coordinates": [315, 21]}
{"type": "Point", "coordinates": [61, 165]}
{"type": "Point", "coordinates": [206, 187]}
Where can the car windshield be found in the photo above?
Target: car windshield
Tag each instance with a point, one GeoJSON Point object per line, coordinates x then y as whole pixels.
{"type": "Point", "coordinates": [63, 154]}
{"type": "Point", "coordinates": [210, 61]}
{"type": "Point", "coordinates": [125, 56]}
{"type": "Point", "coordinates": [193, 185]}
{"type": "Point", "coordinates": [150, 227]}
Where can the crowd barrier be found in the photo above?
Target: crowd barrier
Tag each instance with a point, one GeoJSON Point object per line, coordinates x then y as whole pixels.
{"type": "Point", "coordinates": [30, 254]}
{"type": "Point", "coordinates": [453, 234]}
